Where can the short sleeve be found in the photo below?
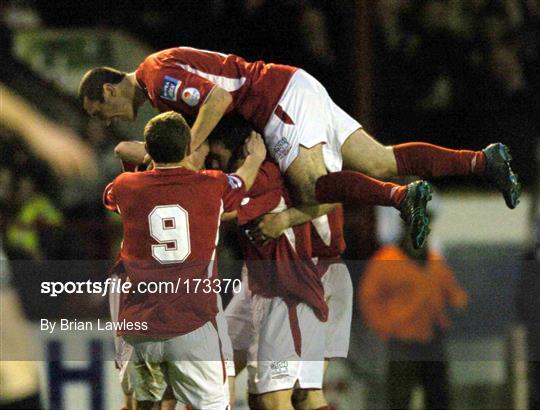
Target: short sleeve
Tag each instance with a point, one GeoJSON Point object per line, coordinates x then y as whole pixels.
{"type": "Point", "coordinates": [182, 90]}
{"type": "Point", "coordinates": [252, 208]}
{"type": "Point", "coordinates": [268, 179]}
{"type": "Point", "coordinates": [109, 200]}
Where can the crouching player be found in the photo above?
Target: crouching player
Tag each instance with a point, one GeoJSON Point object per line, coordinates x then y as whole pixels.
{"type": "Point", "coordinates": [171, 217]}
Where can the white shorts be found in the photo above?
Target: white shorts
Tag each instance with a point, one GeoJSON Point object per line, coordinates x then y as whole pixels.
{"type": "Point", "coordinates": [123, 350]}
{"type": "Point", "coordinates": [191, 364]}
{"type": "Point", "coordinates": [239, 317]}
{"type": "Point", "coordinates": [338, 292]}
{"type": "Point", "coordinates": [226, 344]}
{"type": "Point", "coordinates": [287, 349]}
{"type": "Point", "coordinates": [317, 119]}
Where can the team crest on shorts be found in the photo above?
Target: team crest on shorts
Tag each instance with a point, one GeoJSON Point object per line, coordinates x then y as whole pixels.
{"type": "Point", "coordinates": [191, 96]}
{"type": "Point", "coordinates": [170, 88]}
{"type": "Point", "coordinates": [281, 148]}
{"type": "Point", "coordinates": [279, 369]}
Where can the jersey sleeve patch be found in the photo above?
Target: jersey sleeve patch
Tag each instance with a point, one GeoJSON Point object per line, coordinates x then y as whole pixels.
{"type": "Point", "coordinates": [234, 181]}
{"type": "Point", "coordinates": [169, 90]}
{"type": "Point", "coordinates": [191, 96]}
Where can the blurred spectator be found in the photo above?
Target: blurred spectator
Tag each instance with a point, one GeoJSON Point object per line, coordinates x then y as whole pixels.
{"type": "Point", "coordinates": [68, 156]}
{"type": "Point", "coordinates": [64, 151]}
{"type": "Point", "coordinates": [404, 296]}
{"type": "Point", "coordinates": [36, 214]}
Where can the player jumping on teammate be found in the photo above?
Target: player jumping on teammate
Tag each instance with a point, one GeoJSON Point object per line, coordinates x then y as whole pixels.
{"type": "Point", "coordinates": [305, 131]}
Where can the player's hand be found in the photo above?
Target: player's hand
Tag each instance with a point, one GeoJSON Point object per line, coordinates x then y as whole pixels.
{"type": "Point", "coordinates": [67, 154]}
{"type": "Point", "coordinates": [148, 162]}
{"type": "Point", "coordinates": [268, 228]}
{"type": "Point", "coordinates": [255, 146]}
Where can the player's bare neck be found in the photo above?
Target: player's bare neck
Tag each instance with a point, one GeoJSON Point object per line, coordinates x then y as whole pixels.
{"type": "Point", "coordinates": [166, 165]}
{"type": "Point", "coordinates": [139, 95]}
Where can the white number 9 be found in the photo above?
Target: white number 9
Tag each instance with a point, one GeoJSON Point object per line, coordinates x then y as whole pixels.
{"type": "Point", "coordinates": [169, 225]}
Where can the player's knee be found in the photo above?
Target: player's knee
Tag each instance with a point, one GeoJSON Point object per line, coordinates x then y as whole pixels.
{"type": "Point", "coordinates": [381, 165]}
{"type": "Point", "coordinates": [303, 184]}
{"type": "Point", "coordinates": [361, 152]}
{"type": "Point", "coordinates": [309, 399]}
{"type": "Point", "coordinates": [275, 400]}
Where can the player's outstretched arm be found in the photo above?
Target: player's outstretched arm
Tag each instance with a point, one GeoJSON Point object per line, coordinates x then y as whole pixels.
{"type": "Point", "coordinates": [256, 153]}
{"type": "Point", "coordinates": [210, 113]}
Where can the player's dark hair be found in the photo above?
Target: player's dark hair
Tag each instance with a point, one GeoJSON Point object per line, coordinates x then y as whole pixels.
{"type": "Point", "coordinates": [167, 137]}
{"type": "Point", "coordinates": [91, 85]}
{"type": "Point", "coordinates": [232, 132]}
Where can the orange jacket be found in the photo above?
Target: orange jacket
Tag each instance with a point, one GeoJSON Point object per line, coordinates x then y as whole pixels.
{"type": "Point", "coordinates": [402, 299]}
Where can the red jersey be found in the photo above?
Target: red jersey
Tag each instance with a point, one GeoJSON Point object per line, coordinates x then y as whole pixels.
{"type": "Point", "coordinates": [283, 267]}
{"type": "Point", "coordinates": [171, 218]}
{"type": "Point", "coordinates": [181, 78]}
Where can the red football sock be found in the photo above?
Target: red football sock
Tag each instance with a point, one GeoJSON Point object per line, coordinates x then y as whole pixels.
{"type": "Point", "coordinates": [428, 160]}
{"type": "Point", "coordinates": [350, 187]}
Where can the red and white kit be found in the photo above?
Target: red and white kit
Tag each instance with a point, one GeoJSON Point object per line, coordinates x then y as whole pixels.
{"type": "Point", "coordinates": [171, 219]}
{"type": "Point", "coordinates": [286, 104]}
{"type": "Point", "coordinates": [287, 299]}
{"type": "Point", "coordinates": [328, 244]}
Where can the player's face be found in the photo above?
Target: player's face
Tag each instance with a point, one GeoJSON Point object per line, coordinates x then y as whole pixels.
{"type": "Point", "coordinates": [114, 106]}
{"type": "Point", "coordinates": [220, 155]}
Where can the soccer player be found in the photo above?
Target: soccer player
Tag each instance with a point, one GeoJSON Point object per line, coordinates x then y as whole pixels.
{"type": "Point", "coordinates": [328, 243]}
{"type": "Point", "coordinates": [171, 219]}
{"type": "Point", "coordinates": [279, 321]}
{"type": "Point", "coordinates": [306, 133]}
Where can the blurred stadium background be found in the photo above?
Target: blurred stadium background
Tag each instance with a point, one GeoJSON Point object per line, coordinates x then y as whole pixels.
{"type": "Point", "coordinates": [460, 73]}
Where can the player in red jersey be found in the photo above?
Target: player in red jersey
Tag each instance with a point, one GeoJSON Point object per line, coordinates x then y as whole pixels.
{"type": "Point", "coordinates": [304, 130]}
{"type": "Point", "coordinates": [279, 321]}
{"type": "Point", "coordinates": [171, 219]}
{"type": "Point", "coordinates": [132, 155]}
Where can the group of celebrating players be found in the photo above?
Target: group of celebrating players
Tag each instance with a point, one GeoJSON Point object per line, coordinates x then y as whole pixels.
{"type": "Point", "coordinates": [295, 305]}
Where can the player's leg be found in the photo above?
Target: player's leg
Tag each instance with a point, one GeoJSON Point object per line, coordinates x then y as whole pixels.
{"type": "Point", "coordinates": [240, 330]}
{"type": "Point", "coordinates": [308, 399]}
{"type": "Point", "coordinates": [273, 368]}
{"type": "Point", "coordinates": [361, 152]}
{"type": "Point", "coordinates": [227, 349]}
{"type": "Point", "coordinates": [149, 384]}
{"type": "Point", "coordinates": [147, 405]}
{"type": "Point", "coordinates": [147, 373]}
{"type": "Point", "coordinates": [311, 375]}
{"type": "Point", "coordinates": [127, 387]}
{"type": "Point", "coordinates": [276, 400]}
{"type": "Point", "coordinates": [195, 368]}
{"type": "Point", "coordinates": [350, 187]}
{"type": "Point", "coordinates": [168, 402]}
{"type": "Point", "coordinates": [311, 184]}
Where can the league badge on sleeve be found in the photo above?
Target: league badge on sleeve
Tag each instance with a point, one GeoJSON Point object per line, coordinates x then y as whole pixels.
{"type": "Point", "coordinates": [234, 181]}
{"type": "Point", "coordinates": [191, 96]}
{"type": "Point", "coordinates": [170, 88]}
